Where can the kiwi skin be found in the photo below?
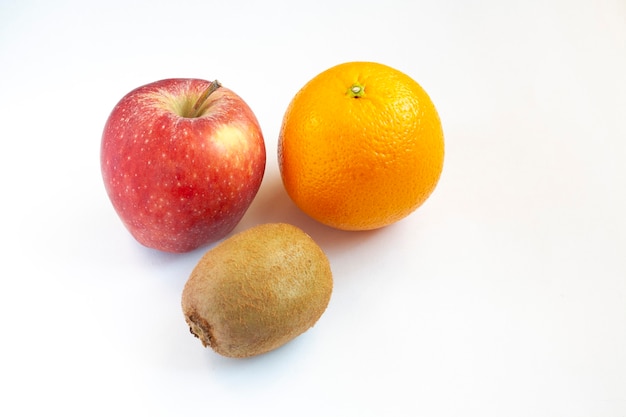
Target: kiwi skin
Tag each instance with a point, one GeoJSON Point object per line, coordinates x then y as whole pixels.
{"type": "Point", "coordinates": [257, 290]}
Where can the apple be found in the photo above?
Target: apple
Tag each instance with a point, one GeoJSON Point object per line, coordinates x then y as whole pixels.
{"type": "Point", "coordinates": [181, 159]}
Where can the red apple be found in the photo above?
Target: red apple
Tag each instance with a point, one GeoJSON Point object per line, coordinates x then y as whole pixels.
{"type": "Point", "coordinates": [181, 160]}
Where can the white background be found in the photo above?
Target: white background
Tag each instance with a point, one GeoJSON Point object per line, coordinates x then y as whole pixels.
{"type": "Point", "coordinates": [503, 295]}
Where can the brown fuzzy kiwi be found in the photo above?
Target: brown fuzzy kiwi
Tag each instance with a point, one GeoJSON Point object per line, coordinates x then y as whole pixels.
{"type": "Point", "coordinates": [257, 290]}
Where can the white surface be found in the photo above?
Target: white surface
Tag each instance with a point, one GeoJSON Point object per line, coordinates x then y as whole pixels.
{"type": "Point", "coordinates": [504, 295]}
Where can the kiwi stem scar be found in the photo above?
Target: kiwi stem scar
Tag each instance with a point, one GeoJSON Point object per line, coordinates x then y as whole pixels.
{"type": "Point", "coordinates": [203, 97]}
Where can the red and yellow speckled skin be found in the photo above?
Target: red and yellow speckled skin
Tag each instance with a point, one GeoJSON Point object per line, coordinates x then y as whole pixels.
{"type": "Point", "coordinates": [176, 182]}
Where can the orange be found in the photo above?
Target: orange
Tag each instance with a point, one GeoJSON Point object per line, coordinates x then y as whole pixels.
{"type": "Point", "coordinates": [361, 146]}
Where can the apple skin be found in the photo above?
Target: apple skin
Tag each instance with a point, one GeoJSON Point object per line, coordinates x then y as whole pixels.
{"type": "Point", "coordinates": [181, 178]}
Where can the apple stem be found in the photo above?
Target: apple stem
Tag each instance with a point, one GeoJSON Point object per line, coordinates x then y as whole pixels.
{"type": "Point", "coordinates": [205, 94]}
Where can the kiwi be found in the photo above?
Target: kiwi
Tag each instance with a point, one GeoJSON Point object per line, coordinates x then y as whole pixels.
{"type": "Point", "coordinates": [257, 290]}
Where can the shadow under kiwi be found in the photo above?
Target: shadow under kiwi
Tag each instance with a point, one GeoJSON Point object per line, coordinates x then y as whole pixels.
{"type": "Point", "coordinates": [257, 371]}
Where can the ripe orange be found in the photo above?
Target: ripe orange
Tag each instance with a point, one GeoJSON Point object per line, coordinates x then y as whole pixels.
{"type": "Point", "coordinates": [360, 147]}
